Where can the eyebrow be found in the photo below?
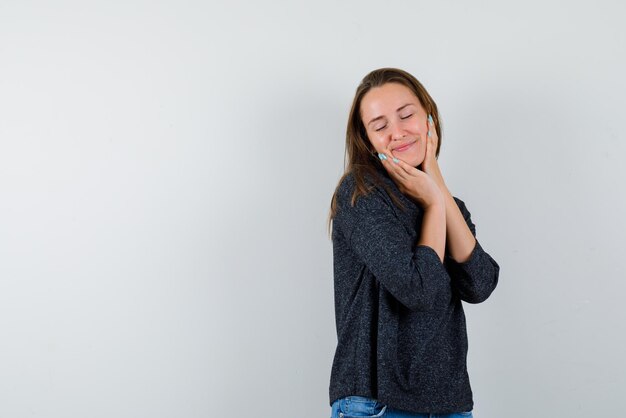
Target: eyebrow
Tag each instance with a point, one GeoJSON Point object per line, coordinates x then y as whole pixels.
{"type": "Point", "coordinates": [380, 117]}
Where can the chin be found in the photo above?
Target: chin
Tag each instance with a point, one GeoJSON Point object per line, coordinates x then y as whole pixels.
{"type": "Point", "coordinates": [416, 162]}
{"type": "Point", "coordinates": [419, 160]}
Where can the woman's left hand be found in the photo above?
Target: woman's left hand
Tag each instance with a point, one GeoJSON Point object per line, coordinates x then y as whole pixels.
{"type": "Point", "coordinates": [430, 165]}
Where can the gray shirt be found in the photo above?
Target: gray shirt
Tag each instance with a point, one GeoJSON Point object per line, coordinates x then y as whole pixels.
{"type": "Point", "coordinates": [401, 334]}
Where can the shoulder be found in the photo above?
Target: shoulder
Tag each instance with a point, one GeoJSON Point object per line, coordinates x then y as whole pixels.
{"type": "Point", "coordinates": [346, 187]}
{"type": "Point", "coordinates": [374, 195]}
{"type": "Point", "coordinates": [369, 208]}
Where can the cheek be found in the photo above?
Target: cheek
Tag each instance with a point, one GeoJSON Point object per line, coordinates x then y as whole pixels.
{"type": "Point", "coordinates": [422, 128]}
{"type": "Point", "coordinates": [378, 143]}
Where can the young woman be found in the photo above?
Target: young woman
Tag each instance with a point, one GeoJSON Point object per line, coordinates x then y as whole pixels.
{"type": "Point", "coordinates": [405, 256]}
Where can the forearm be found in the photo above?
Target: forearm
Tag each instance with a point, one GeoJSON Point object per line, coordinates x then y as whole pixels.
{"type": "Point", "coordinates": [433, 233]}
{"type": "Point", "coordinates": [459, 239]}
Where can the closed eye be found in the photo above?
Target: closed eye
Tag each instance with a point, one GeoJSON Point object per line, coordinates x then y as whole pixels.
{"type": "Point", "coordinates": [381, 128]}
{"type": "Point", "coordinates": [407, 116]}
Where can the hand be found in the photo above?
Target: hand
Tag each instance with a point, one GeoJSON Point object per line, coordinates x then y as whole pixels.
{"type": "Point", "coordinates": [430, 165]}
{"type": "Point", "coordinates": [413, 182]}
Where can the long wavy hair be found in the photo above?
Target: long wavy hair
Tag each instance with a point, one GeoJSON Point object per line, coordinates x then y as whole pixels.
{"type": "Point", "coordinates": [360, 157]}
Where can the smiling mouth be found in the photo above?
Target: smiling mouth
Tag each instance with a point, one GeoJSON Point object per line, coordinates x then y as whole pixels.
{"type": "Point", "coordinates": [404, 147]}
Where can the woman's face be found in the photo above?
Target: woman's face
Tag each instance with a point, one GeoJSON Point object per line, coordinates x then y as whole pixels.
{"type": "Point", "coordinates": [395, 122]}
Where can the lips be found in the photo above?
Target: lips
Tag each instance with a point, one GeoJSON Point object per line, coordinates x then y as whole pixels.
{"type": "Point", "coordinates": [404, 146]}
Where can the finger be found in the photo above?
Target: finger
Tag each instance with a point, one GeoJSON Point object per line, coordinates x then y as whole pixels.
{"type": "Point", "coordinates": [385, 161]}
{"type": "Point", "coordinates": [407, 168]}
{"type": "Point", "coordinates": [432, 131]}
{"type": "Point", "coordinates": [404, 169]}
{"type": "Point", "coordinates": [392, 167]}
{"type": "Point", "coordinates": [430, 142]}
{"type": "Point", "coordinates": [431, 127]}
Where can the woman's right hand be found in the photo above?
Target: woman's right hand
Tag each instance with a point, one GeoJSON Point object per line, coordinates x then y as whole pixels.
{"type": "Point", "coordinates": [413, 182]}
{"type": "Point", "coordinates": [423, 189]}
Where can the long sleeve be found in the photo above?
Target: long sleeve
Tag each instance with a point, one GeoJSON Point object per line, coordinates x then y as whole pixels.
{"type": "Point", "coordinates": [413, 275]}
{"type": "Point", "coordinates": [401, 329]}
{"type": "Point", "coordinates": [475, 279]}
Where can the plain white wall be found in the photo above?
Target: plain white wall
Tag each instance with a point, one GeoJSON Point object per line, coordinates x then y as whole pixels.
{"type": "Point", "coordinates": [166, 170]}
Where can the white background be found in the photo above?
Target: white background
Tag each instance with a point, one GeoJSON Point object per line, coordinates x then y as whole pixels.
{"type": "Point", "coordinates": [166, 170]}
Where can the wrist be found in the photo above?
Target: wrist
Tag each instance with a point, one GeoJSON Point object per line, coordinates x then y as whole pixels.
{"type": "Point", "coordinates": [437, 205]}
{"type": "Point", "coordinates": [445, 191]}
{"type": "Point", "coordinates": [435, 173]}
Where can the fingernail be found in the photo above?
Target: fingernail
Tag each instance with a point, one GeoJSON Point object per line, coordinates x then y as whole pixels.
{"type": "Point", "coordinates": [430, 119]}
{"type": "Point", "coordinates": [395, 160]}
{"type": "Point", "coordinates": [382, 156]}
{"type": "Point", "coordinates": [429, 135]}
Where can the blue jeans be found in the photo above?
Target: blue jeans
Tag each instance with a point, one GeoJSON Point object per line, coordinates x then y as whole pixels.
{"type": "Point", "coordinates": [359, 406]}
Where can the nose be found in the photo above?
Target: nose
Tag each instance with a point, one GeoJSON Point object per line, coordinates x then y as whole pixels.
{"type": "Point", "coordinates": [397, 132]}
